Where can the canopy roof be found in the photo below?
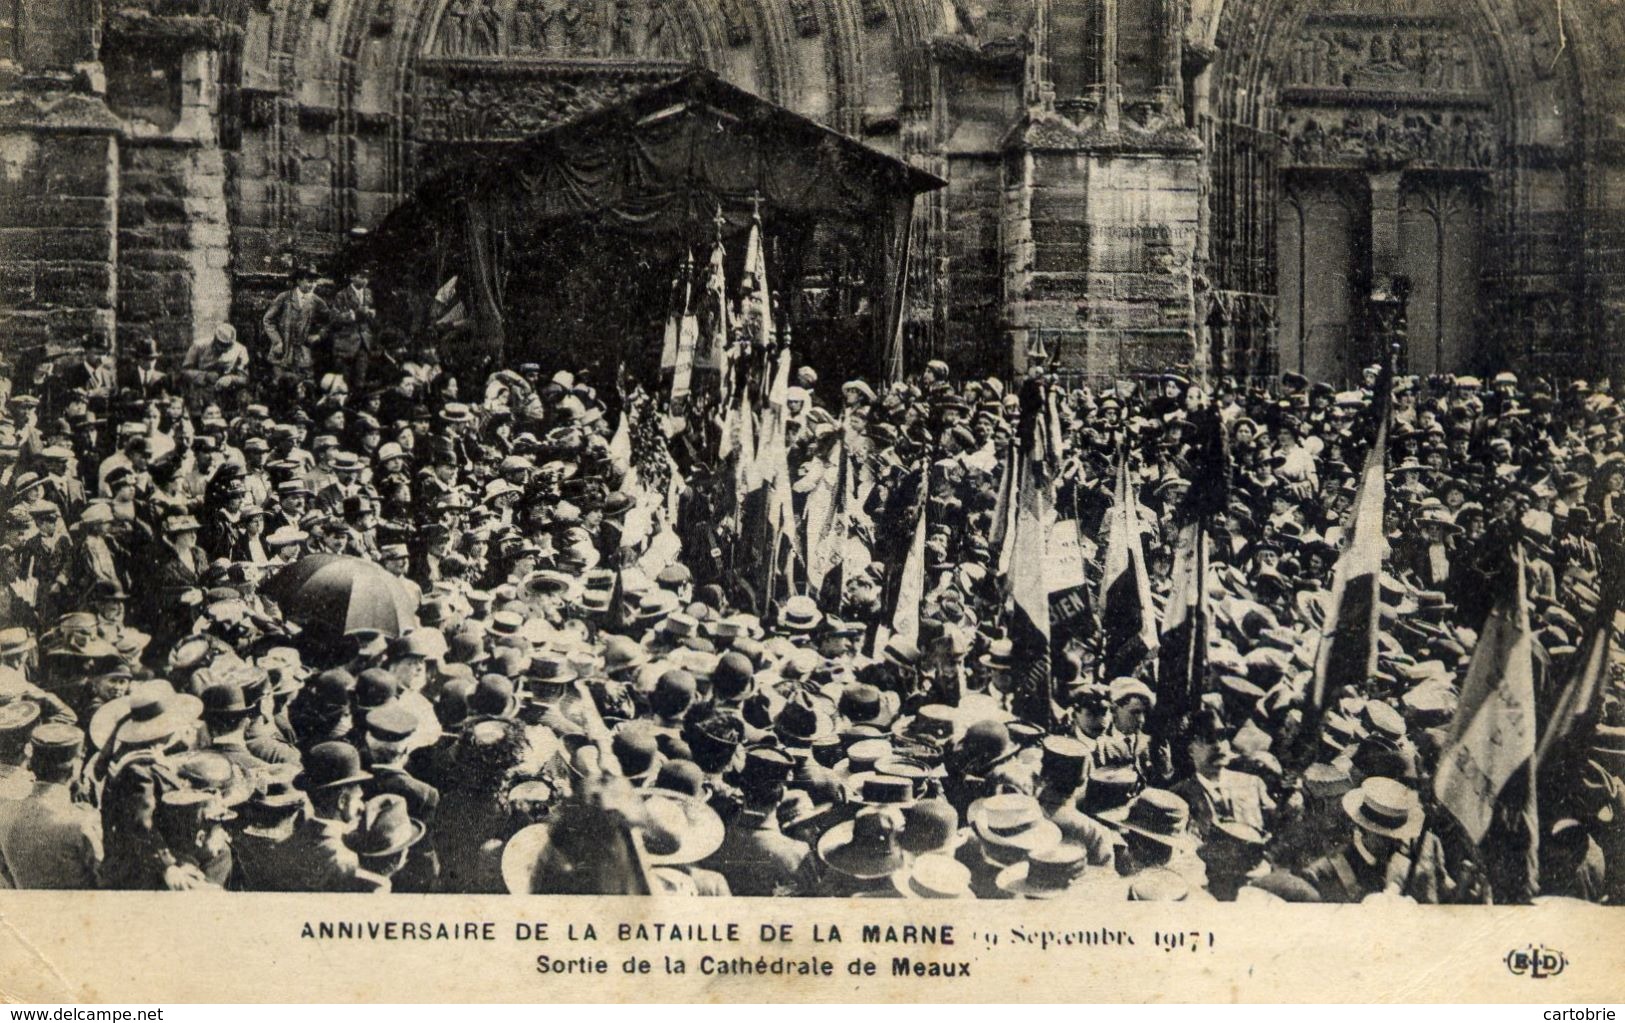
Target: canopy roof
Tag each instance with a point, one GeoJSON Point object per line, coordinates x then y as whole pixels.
{"type": "Point", "coordinates": [668, 158]}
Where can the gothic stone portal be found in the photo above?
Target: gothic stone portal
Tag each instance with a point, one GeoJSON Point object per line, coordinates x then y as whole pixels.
{"type": "Point", "coordinates": [1388, 140]}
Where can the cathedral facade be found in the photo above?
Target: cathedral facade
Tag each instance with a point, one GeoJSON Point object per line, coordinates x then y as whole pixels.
{"type": "Point", "coordinates": [1131, 184]}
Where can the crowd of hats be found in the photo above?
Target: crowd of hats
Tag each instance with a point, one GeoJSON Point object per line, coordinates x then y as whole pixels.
{"type": "Point", "coordinates": [580, 664]}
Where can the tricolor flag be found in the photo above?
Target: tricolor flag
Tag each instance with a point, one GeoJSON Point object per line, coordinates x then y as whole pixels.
{"type": "Point", "coordinates": [1128, 619]}
{"type": "Point", "coordinates": [1182, 659]}
{"type": "Point", "coordinates": [905, 619]}
{"type": "Point", "coordinates": [827, 511]}
{"type": "Point", "coordinates": [677, 352]}
{"type": "Point", "coordinates": [1577, 706]}
{"type": "Point", "coordinates": [1493, 738]}
{"type": "Point", "coordinates": [712, 321]}
{"type": "Point", "coordinates": [1029, 626]}
{"type": "Point", "coordinates": [1348, 638]}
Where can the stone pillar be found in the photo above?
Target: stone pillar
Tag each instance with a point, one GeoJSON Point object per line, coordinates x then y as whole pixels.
{"type": "Point", "coordinates": [174, 244]}
{"type": "Point", "coordinates": [59, 185]}
{"type": "Point", "coordinates": [1110, 89]}
{"type": "Point", "coordinates": [1385, 260]}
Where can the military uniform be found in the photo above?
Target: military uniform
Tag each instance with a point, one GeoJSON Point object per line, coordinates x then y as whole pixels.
{"type": "Point", "coordinates": [49, 841]}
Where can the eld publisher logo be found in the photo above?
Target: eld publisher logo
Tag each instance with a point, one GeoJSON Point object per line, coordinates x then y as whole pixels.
{"type": "Point", "coordinates": [1536, 962]}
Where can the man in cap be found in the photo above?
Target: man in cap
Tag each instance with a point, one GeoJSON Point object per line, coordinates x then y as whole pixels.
{"type": "Point", "coordinates": [218, 367]}
{"type": "Point", "coordinates": [1125, 742]}
{"type": "Point", "coordinates": [389, 733]}
{"type": "Point", "coordinates": [48, 840]}
{"type": "Point", "coordinates": [756, 857]}
{"type": "Point", "coordinates": [294, 319]}
{"type": "Point", "coordinates": [17, 721]}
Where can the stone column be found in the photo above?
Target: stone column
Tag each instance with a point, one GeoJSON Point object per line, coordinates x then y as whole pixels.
{"type": "Point", "coordinates": [1110, 90]}
{"type": "Point", "coordinates": [59, 184]}
{"type": "Point", "coordinates": [1385, 260]}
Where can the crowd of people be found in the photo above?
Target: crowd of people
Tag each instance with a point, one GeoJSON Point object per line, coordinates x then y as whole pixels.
{"type": "Point", "coordinates": [574, 688]}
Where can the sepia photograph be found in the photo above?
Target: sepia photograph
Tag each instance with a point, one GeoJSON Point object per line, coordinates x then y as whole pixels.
{"type": "Point", "coordinates": [790, 452]}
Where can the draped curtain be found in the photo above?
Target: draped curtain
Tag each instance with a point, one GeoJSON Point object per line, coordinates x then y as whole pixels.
{"type": "Point", "coordinates": [483, 260]}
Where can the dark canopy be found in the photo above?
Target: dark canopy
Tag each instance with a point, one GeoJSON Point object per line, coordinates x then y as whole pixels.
{"type": "Point", "coordinates": [670, 155]}
{"type": "Point", "coordinates": [655, 170]}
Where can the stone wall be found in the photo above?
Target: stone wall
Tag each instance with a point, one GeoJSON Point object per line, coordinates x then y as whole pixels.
{"type": "Point", "coordinates": [58, 274]}
{"type": "Point", "coordinates": [173, 242]}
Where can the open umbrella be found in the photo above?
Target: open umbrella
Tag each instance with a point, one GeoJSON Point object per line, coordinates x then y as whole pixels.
{"type": "Point", "coordinates": [339, 594]}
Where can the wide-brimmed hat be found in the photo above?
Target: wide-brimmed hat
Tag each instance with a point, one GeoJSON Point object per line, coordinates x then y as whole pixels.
{"type": "Point", "coordinates": [866, 846]}
{"type": "Point", "coordinates": [799, 614]}
{"type": "Point", "coordinates": [680, 829]}
{"type": "Point", "coordinates": [150, 711]}
{"type": "Point", "coordinates": [803, 720]}
{"type": "Point", "coordinates": [933, 876]}
{"type": "Point", "coordinates": [1384, 806]}
{"type": "Point", "coordinates": [1158, 815]}
{"type": "Point", "coordinates": [1045, 873]}
{"type": "Point", "coordinates": [1011, 824]}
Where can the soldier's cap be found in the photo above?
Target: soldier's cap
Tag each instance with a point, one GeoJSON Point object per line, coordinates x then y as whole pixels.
{"type": "Point", "coordinates": [56, 742]}
{"type": "Point", "coordinates": [18, 717]}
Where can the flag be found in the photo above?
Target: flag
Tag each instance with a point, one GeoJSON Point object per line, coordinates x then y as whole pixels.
{"type": "Point", "coordinates": [1182, 657]}
{"type": "Point", "coordinates": [1486, 774]}
{"type": "Point", "coordinates": [1128, 619]}
{"type": "Point", "coordinates": [905, 619]}
{"type": "Point", "coordinates": [448, 309]}
{"type": "Point", "coordinates": [755, 300]}
{"type": "Point", "coordinates": [1029, 627]}
{"type": "Point", "coordinates": [1493, 733]}
{"type": "Point", "coordinates": [1348, 637]}
{"type": "Point", "coordinates": [678, 349]}
{"type": "Point", "coordinates": [620, 451]}
{"type": "Point", "coordinates": [827, 524]}
{"type": "Point", "coordinates": [677, 315]}
{"type": "Point", "coordinates": [711, 322]}
{"type": "Point", "coordinates": [784, 552]}
{"type": "Point", "coordinates": [1577, 706]}
{"type": "Point", "coordinates": [1004, 516]}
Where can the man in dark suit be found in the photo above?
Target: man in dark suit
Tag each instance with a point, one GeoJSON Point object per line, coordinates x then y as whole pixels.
{"type": "Point", "coordinates": [756, 858]}
{"type": "Point", "coordinates": [89, 378]}
{"type": "Point", "coordinates": [389, 732]}
{"type": "Point", "coordinates": [332, 779]}
{"type": "Point", "coordinates": [140, 376]}
{"type": "Point", "coordinates": [350, 332]}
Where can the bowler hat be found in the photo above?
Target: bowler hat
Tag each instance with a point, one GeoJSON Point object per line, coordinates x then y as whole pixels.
{"type": "Point", "coordinates": [385, 828]}
{"type": "Point", "coordinates": [331, 765]}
